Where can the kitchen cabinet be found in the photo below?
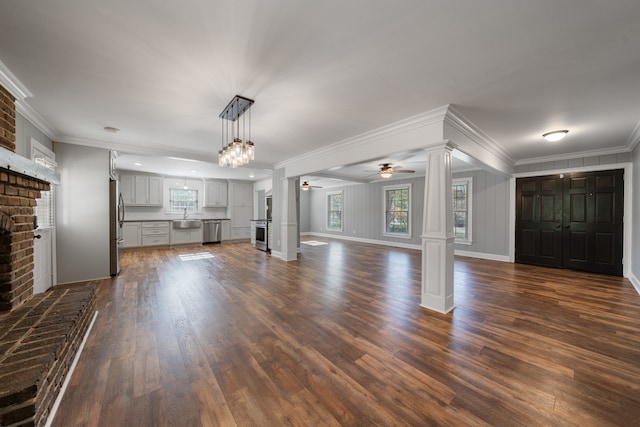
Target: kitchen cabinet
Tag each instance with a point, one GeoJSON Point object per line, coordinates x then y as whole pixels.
{"type": "Point", "coordinates": [148, 190]}
{"type": "Point", "coordinates": [186, 236]}
{"type": "Point", "coordinates": [226, 230]}
{"type": "Point", "coordinates": [241, 194]}
{"type": "Point", "coordinates": [132, 234]}
{"type": "Point", "coordinates": [128, 189]}
{"type": "Point", "coordinates": [216, 194]}
{"type": "Point", "coordinates": [141, 190]}
{"type": "Point", "coordinates": [155, 233]}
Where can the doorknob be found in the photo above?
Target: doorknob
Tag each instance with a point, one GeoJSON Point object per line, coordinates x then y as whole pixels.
{"type": "Point", "coordinates": [37, 236]}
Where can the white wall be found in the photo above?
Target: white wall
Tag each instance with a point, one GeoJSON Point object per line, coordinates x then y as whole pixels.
{"type": "Point", "coordinates": [82, 213]}
{"type": "Point", "coordinates": [25, 130]}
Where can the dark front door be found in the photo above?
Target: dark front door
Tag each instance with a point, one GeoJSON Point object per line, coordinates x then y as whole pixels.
{"type": "Point", "coordinates": [573, 222]}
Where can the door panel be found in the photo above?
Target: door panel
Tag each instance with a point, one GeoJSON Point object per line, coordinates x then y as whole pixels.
{"type": "Point", "coordinates": [574, 222]}
{"type": "Point", "coordinates": [593, 221]}
{"type": "Point", "coordinates": [538, 219]}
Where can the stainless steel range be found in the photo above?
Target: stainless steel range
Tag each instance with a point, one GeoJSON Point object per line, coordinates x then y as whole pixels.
{"type": "Point", "coordinates": [262, 235]}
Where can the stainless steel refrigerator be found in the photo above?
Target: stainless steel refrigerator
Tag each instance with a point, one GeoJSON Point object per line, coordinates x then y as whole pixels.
{"type": "Point", "coordinates": [116, 218]}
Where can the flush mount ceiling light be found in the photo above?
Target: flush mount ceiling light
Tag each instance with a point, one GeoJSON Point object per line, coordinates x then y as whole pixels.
{"type": "Point", "coordinates": [556, 135]}
{"type": "Point", "coordinates": [111, 129]}
{"type": "Point", "coordinates": [236, 152]}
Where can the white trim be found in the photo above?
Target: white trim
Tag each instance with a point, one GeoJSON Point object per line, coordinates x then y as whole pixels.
{"type": "Point", "coordinates": [570, 156]}
{"type": "Point", "coordinates": [634, 282]}
{"type": "Point", "coordinates": [26, 111]}
{"type": "Point", "coordinates": [459, 122]}
{"type": "Point", "coordinates": [512, 219]}
{"type": "Point", "coordinates": [67, 377]}
{"type": "Point", "coordinates": [481, 255]}
{"type": "Point", "coordinates": [362, 140]}
{"type": "Point", "coordinates": [11, 83]}
{"type": "Point", "coordinates": [468, 181]}
{"type": "Point", "coordinates": [634, 138]}
{"type": "Point", "coordinates": [327, 195]}
{"type": "Point", "coordinates": [628, 223]}
{"type": "Point", "coordinates": [277, 254]}
{"type": "Point", "coordinates": [386, 233]}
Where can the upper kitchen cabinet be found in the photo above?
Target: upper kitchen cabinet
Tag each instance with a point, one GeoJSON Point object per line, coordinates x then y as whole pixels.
{"type": "Point", "coordinates": [216, 194]}
{"type": "Point", "coordinates": [141, 190]}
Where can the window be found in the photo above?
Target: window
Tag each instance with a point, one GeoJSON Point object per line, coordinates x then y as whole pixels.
{"type": "Point", "coordinates": [462, 210]}
{"type": "Point", "coordinates": [181, 200]}
{"type": "Point", "coordinates": [44, 210]}
{"type": "Point", "coordinates": [397, 202]}
{"type": "Point", "coordinates": [334, 211]}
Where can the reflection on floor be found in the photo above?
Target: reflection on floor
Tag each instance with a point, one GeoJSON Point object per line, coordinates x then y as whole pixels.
{"type": "Point", "coordinates": [199, 255]}
{"type": "Point", "coordinates": [314, 243]}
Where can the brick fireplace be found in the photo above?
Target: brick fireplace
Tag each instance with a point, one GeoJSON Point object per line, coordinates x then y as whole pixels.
{"type": "Point", "coordinates": [39, 334]}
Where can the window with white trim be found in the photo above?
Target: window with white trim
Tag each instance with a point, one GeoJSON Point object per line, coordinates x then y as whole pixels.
{"type": "Point", "coordinates": [45, 208]}
{"type": "Point", "coordinates": [462, 190]}
{"type": "Point", "coordinates": [397, 207]}
{"type": "Point", "coordinates": [183, 200]}
{"type": "Point", "coordinates": [334, 210]}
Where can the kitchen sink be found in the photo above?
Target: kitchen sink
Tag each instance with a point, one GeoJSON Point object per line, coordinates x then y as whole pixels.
{"type": "Point", "coordinates": [186, 223]}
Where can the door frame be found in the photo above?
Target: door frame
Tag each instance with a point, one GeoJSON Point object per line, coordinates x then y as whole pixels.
{"type": "Point", "coordinates": [627, 256]}
{"type": "Point", "coordinates": [36, 145]}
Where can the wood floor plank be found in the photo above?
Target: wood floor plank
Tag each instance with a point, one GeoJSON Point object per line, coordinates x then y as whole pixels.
{"type": "Point", "coordinates": [338, 338]}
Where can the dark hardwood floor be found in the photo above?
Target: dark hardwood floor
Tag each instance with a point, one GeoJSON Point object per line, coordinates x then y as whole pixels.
{"type": "Point", "coordinates": [338, 338]}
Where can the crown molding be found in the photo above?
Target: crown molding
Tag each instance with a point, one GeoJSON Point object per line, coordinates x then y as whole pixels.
{"type": "Point", "coordinates": [459, 122]}
{"type": "Point", "coordinates": [26, 111]}
{"type": "Point", "coordinates": [415, 122]}
{"type": "Point", "coordinates": [634, 138]}
{"type": "Point", "coordinates": [12, 84]}
{"type": "Point", "coordinates": [569, 156]}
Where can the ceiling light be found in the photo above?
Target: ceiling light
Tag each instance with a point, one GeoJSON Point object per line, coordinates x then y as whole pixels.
{"type": "Point", "coordinates": [111, 129]}
{"type": "Point", "coordinates": [194, 170]}
{"type": "Point", "coordinates": [237, 152]}
{"type": "Point", "coordinates": [386, 174]}
{"type": "Point", "coordinates": [305, 186]}
{"type": "Point", "coordinates": [137, 163]}
{"type": "Point", "coordinates": [556, 135]}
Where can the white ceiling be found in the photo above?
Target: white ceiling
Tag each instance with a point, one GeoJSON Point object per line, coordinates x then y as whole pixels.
{"type": "Point", "coordinates": [324, 71]}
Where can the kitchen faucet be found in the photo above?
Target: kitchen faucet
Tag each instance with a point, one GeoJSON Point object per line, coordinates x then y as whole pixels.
{"type": "Point", "coordinates": [185, 214]}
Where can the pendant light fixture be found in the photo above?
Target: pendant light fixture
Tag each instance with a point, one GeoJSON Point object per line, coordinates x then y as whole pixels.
{"type": "Point", "coordinates": [236, 152]}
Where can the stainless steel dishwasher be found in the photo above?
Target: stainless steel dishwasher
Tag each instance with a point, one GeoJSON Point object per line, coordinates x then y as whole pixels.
{"type": "Point", "coordinates": [211, 231]}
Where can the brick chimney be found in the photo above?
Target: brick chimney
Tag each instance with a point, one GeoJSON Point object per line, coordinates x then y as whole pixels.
{"type": "Point", "coordinates": [19, 190]}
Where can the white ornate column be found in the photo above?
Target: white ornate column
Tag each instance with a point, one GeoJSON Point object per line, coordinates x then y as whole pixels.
{"type": "Point", "coordinates": [437, 231]}
{"type": "Point", "coordinates": [289, 229]}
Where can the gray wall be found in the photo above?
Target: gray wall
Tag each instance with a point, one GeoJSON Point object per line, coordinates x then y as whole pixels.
{"type": "Point", "coordinates": [82, 213]}
{"type": "Point", "coordinates": [24, 132]}
{"type": "Point", "coordinates": [490, 215]}
{"type": "Point", "coordinates": [364, 212]}
{"type": "Point", "coordinates": [635, 214]}
{"type": "Point", "coordinates": [363, 215]}
{"type": "Point", "coordinates": [577, 162]}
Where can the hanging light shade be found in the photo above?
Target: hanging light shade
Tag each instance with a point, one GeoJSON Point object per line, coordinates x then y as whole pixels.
{"type": "Point", "coordinates": [236, 152]}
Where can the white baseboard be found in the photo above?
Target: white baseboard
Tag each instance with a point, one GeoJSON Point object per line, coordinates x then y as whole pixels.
{"type": "Point", "coordinates": [635, 282]}
{"type": "Point", "coordinates": [481, 255]}
{"type": "Point", "coordinates": [370, 241]}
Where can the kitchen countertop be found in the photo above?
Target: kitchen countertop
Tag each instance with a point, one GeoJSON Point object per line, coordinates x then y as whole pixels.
{"type": "Point", "coordinates": [176, 219]}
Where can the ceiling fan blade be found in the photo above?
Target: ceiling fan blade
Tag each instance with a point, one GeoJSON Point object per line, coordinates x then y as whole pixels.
{"type": "Point", "coordinates": [403, 171]}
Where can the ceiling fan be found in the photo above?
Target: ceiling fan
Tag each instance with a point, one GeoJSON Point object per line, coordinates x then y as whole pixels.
{"type": "Point", "coordinates": [386, 170]}
{"type": "Point", "coordinates": [305, 186]}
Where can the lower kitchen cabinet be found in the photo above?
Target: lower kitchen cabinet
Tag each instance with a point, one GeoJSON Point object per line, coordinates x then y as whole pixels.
{"type": "Point", "coordinates": [226, 230]}
{"type": "Point", "coordinates": [155, 233]}
{"type": "Point", "coordinates": [186, 236]}
{"type": "Point", "coordinates": [132, 234]}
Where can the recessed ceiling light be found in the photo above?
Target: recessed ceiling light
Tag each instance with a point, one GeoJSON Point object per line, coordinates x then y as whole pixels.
{"type": "Point", "coordinates": [251, 175]}
{"type": "Point", "coordinates": [194, 170]}
{"type": "Point", "coordinates": [137, 163]}
{"type": "Point", "coordinates": [111, 129]}
{"type": "Point", "coordinates": [556, 135]}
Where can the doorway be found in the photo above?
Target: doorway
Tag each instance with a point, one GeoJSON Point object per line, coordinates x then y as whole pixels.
{"type": "Point", "coordinates": [572, 220]}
